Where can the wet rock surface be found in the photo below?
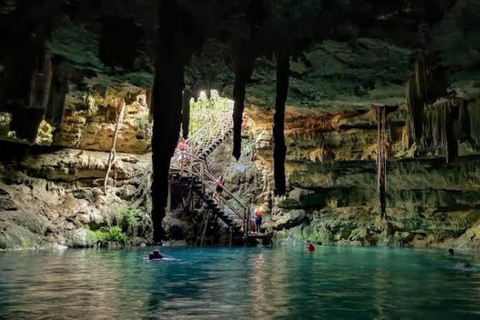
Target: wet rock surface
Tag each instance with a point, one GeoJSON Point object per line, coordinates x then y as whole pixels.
{"type": "Point", "coordinates": [57, 198]}
{"type": "Point", "coordinates": [332, 182]}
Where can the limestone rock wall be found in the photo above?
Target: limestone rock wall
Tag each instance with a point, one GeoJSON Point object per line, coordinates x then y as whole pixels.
{"type": "Point", "coordinates": [55, 198]}
{"type": "Point", "coordinates": [331, 173]}
{"type": "Point", "coordinates": [89, 120]}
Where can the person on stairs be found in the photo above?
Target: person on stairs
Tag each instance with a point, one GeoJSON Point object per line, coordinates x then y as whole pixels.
{"type": "Point", "coordinates": [258, 219]}
{"type": "Point", "coordinates": [183, 148]}
{"type": "Point", "coordinates": [218, 188]}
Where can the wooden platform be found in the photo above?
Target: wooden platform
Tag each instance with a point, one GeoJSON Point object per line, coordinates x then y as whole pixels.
{"type": "Point", "coordinates": [254, 239]}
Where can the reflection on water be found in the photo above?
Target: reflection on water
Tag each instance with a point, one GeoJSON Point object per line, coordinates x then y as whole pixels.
{"type": "Point", "coordinates": [237, 283]}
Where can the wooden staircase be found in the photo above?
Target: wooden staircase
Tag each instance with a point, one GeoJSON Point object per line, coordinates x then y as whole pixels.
{"type": "Point", "coordinates": [197, 187]}
{"type": "Point", "coordinates": [197, 176]}
{"type": "Point", "coordinates": [215, 144]}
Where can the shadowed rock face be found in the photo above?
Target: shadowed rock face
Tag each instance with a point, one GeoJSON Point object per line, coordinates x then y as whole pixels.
{"type": "Point", "coordinates": [55, 198]}
{"type": "Point", "coordinates": [429, 202]}
{"type": "Point", "coordinates": [67, 84]}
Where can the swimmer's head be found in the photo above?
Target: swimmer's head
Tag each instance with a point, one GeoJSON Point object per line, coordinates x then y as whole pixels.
{"type": "Point", "coordinates": [451, 252]}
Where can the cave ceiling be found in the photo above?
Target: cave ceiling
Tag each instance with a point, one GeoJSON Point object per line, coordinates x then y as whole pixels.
{"type": "Point", "coordinates": [348, 62]}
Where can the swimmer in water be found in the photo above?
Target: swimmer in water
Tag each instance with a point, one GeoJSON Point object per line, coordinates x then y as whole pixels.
{"type": "Point", "coordinates": [155, 254]}
{"type": "Point", "coordinates": [310, 247]}
{"type": "Point", "coordinates": [451, 252]}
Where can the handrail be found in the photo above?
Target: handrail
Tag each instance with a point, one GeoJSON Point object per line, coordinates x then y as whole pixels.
{"type": "Point", "coordinates": [225, 201]}
{"type": "Point", "coordinates": [207, 176]}
{"type": "Point", "coordinates": [194, 161]}
{"type": "Point", "coordinates": [200, 142]}
{"type": "Point", "coordinates": [212, 179]}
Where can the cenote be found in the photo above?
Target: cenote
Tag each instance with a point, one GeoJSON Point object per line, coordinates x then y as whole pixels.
{"type": "Point", "coordinates": [284, 282]}
{"type": "Point", "coordinates": [231, 135]}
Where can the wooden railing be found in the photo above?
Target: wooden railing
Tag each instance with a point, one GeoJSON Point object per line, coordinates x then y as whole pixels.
{"type": "Point", "coordinates": [198, 168]}
{"type": "Point", "coordinates": [200, 145]}
{"type": "Point", "coordinates": [201, 142]}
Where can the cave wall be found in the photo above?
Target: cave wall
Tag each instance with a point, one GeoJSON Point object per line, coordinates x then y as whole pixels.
{"type": "Point", "coordinates": [55, 198]}
{"type": "Point", "coordinates": [332, 181]}
{"type": "Point", "coordinates": [87, 121]}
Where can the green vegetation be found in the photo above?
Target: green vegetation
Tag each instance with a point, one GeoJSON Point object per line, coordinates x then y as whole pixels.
{"type": "Point", "coordinates": [122, 227]}
{"type": "Point", "coordinates": [364, 70]}
{"type": "Point", "coordinates": [78, 45]}
{"type": "Point", "coordinates": [206, 110]}
{"type": "Point", "coordinates": [106, 235]}
{"type": "Point", "coordinates": [144, 122]}
{"type": "Point", "coordinates": [140, 79]}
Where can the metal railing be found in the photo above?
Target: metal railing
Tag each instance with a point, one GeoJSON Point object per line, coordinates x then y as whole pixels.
{"type": "Point", "coordinates": [193, 163]}
{"type": "Point", "coordinates": [198, 168]}
{"type": "Point", "coordinates": [200, 144]}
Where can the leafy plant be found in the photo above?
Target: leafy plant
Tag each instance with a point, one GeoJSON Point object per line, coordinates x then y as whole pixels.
{"type": "Point", "coordinates": [144, 123]}
{"type": "Point", "coordinates": [109, 234]}
{"type": "Point", "coordinates": [206, 110]}
{"type": "Point", "coordinates": [130, 221]}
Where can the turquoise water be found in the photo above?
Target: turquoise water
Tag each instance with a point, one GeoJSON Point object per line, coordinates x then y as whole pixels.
{"type": "Point", "coordinates": [238, 283]}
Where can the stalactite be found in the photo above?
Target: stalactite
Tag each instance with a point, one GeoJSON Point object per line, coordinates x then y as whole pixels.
{"type": "Point", "coordinates": [474, 115]}
{"type": "Point", "coordinates": [439, 127]}
{"type": "Point", "coordinates": [463, 129]}
{"type": "Point", "coordinates": [436, 127]}
{"type": "Point", "coordinates": [405, 139]}
{"type": "Point", "coordinates": [187, 97]}
{"type": "Point", "coordinates": [381, 161]}
{"type": "Point", "coordinates": [451, 142]}
{"type": "Point", "coordinates": [415, 107]}
{"type": "Point", "coordinates": [29, 111]}
{"type": "Point", "coordinates": [327, 152]}
{"type": "Point", "coordinates": [175, 32]}
{"type": "Point", "coordinates": [149, 95]}
{"type": "Point", "coordinates": [28, 69]}
{"type": "Point", "coordinates": [244, 63]}
{"type": "Point", "coordinates": [427, 127]}
{"type": "Point", "coordinates": [280, 149]}
{"type": "Point", "coordinates": [421, 78]}
{"type": "Point", "coordinates": [58, 92]}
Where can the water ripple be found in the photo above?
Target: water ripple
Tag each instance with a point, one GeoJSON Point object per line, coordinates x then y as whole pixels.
{"type": "Point", "coordinates": [238, 283]}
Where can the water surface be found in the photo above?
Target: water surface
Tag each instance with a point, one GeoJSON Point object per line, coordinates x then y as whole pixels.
{"type": "Point", "coordinates": [238, 283]}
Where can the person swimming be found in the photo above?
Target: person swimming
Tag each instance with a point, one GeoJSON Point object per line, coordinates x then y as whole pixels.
{"type": "Point", "coordinates": [310, 247]}
{"type": "Point", "coordinates": [154, 255]}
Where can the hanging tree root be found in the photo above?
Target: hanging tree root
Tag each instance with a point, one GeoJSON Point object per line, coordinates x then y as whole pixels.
{"type": "Point", "coordinates": [113, 152]}
{"type": "Point", "coordinates": [381, 162]}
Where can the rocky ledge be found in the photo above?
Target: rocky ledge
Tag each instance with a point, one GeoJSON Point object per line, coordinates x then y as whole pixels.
{"type": "Point", "coordinates": [56, 198]}
{"type": "Point", "coordinates": [332, 180]}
